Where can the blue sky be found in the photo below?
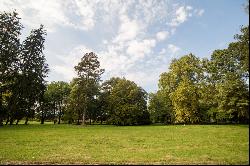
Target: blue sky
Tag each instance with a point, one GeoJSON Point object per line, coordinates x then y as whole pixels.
{"type": "Point", "coordinates": [133, 38]}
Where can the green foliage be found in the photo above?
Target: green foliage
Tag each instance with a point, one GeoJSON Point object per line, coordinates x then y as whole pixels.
{"type": "Point", "coordinates": [181, 85]}
{"type": "Point", "coordinates": [10, 30]}
{"type": "Point", "coordinates": [127, 103]}
{"type": "Point", "coordinates": [228, 73]}
{"type": "Point", "coordinates": [33, 70]}
{"type": "Point", "coordinates": [185, 104]}
{"type": "Point", "coordinates": [55, 96]}
{"type": "Point", "coordinates": [240, 49]}
{"type": "Point", "coordinates": [214, 90]}
{"type": "Point", "coordinates": [22, 68]}
{"type": "Point", "coordinates": [233, 97]}
{"type": "Point", "coordinates": [160, 108]}
{"type": "Point", "coordinates": [85, 88]}
{"type": "Point", "coordinates": [187, 67]}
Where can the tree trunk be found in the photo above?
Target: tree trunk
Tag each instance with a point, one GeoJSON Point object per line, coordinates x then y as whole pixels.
{"type": "Point", "coordinates": [60, 111]}
{"type": "Point", "coordinates": [85, 110]}
{"type": "Point", "coordinates": [79, 117]}
{"type": "Point", "coordinates": [42, 121]}
{"type": "Point", "coordinates": [1, 110]}
{"type": "Point", "coordinates": [17, 121]}
{"type": "Point", "coordinates": [83, 118]}
{"type": "Point", "coordinates": [1, 121]}
{"type": "Point", "coordinates": [90, 121]}
{"type": "Point", "coordinates": [101, 121]}
{"type": "Point", "coordinates": [26, 121]}
{"type": "Point", "coordinates": [42, 116]}
{"type": "Point", "coordinates": [54, 113]}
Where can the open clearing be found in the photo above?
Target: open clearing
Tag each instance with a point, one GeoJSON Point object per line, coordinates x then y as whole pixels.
{"type": "Point", "coordinates": [104, 144]}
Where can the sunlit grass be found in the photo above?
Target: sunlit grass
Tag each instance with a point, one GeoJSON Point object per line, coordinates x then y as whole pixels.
{"type": "Point", "coordinates": [71, 144]}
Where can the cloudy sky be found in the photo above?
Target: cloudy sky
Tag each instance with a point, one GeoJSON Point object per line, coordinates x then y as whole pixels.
{"type": "Point", "coordinates": [135, 39]}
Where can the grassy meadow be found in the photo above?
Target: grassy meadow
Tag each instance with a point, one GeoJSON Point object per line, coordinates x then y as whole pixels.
{"type": "Point", "coordinates": [104, 144]}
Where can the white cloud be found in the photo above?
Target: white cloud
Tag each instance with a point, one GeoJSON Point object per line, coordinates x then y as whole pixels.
{"type": "Point", "coordinates": [139, 49]}
{"type": "Point", "coordinates": [189, 7]}
{"type": "Point", "coordinates": [181, 15]}
{"type": "Point", "coordinates": [173, 49]}
{"type": "Point", "coordinates": [86, 11]}
{"type": "Point", "coordinates": [199, 12]}
{"type": "Point", "coordinates": [34, 13]}
{"type": "Point", "coordinates": [151, 11]}
{"type": "Point", "coordinates": [105, 41]}
{"type": "Point", "coordinates": [66, 69]}
{"type": "Point", "coordinates": [162, 35]}
{"type": "Point", "coordinates": [128, 29]}
{"type": "Point", "coordinates": [122, 33]}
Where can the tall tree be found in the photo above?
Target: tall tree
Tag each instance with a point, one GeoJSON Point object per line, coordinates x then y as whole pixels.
{"type": "Point", "coordinates": [22, 68]}
{"type": "Point", "coordinates": [89, 76]}
{"type": "Point", "coordinates": [185, 102]}
{"type": "Point", "coordinates": [181, 82]}
{"type": "Point", "coordinates": [10, 30]}
{"type": "Point", "coordinates": [227, 73]}
{"type": "Point", "coordinates": [34, 69]}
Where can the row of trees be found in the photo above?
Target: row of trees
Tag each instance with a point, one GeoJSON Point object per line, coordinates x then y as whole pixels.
{"type": "Point", "coordinates": [206, 90]}
{"type": "Point", "coordinates": [116, 101]}
{"type": "Point", "coordinates": [24, 93]}
{"type": "Point", "coordinates": [193, 90]}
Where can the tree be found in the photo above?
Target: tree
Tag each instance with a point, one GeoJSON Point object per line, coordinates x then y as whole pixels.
{"type": "Point", "coordinates": [105, 107]}
{"type": "Point", "coordinates": [44, 110]}
{"type": "Point", "coordinates": [127, 103]}
{"type": "Point", "coordinates": [10, 30]}
{"type": "Point", "coordinates": [160, 108]}
{"type": "Point", "coordinates": [185, 102]}
{"type": "Point", "coordinates": [226, 72]}
{"type": "Point", "coordinates": [23, 68]}
{"type": "Point", "coordinates": [33, 70]}
{"type": "Point", "coordinates": [75, 103]}
{"type": "Point", "coordinates": [57, 93]}
{"type": "Point", "coordinates": [181, 82]}
{"type": "Point", "coordinates": [87, 83]}
{"type": "Point", "coordinates": [233, 97]}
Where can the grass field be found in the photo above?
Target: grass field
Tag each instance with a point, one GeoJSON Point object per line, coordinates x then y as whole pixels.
{"type": "Point", "coordinates": [71, 144]}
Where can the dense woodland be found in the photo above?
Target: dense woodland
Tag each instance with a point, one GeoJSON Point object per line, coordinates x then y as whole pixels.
{"type": "Point", "coordinates": [192, 91]}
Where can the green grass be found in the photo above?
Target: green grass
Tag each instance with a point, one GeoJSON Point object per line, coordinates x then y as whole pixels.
{"type": "Point", "coordinates": [71, 144]}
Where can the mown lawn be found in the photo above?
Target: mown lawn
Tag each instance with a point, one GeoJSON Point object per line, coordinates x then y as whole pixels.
{"type": "Point", "coordinates": [174, 144]}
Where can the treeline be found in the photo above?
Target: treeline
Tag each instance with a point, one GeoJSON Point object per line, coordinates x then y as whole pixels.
{"type": "Point", "coordinates": [193, 91]}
